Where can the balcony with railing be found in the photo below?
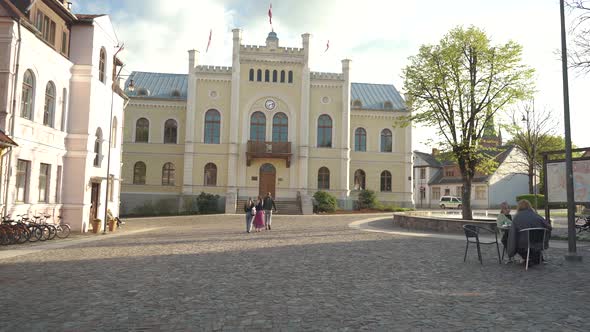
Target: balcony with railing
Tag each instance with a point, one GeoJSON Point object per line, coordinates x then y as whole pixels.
{"type": "Point", "coordinates": [261, 149]}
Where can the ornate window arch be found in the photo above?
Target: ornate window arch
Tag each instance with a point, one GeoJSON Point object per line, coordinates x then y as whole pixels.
{"type": "Point", "coordinates": [359, 180]}
{"type": "Point", "coordinates": [324, 131]}
{"type": "Point", "coordinates": [170, 131]}
{"type": "Point", "coordinates": [49, 109]}
{"type": "Point", "coordinates": [324, 178]}
{"type": "Point", "coordinates": [168, 174]}
{"type": "Point", "coordinates": [360, 139]}
{"type": "Point", "coordinates": [280, 127]}
{"type": "Point", "coordinates": [258, 127]}
{"type": "Point", "coordinates": [28, 95]}
{"type": "Point", "coordinates": [142, 130]}
{"type": "Point", "coordinates": [139, 171]}
{"type": "Point", "coordinates": [386, 141]}
{"type": "Point", "coordinates": [385, 181]}
{"type": "Point", "coordinates": [212, 127]}
{"type": "Point", "coordinates": [210, 176]}
{"type": "Point", "coordinates": [102, 64]}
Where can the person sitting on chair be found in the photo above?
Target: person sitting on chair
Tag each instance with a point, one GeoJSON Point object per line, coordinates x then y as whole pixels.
{"type": "Point", "coordinates": [526, 217]}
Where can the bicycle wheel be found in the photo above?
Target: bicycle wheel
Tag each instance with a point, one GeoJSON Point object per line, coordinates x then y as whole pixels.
{"type": "Point", "coordinates": [44, 232]}
{"type": "Point", "coordinates": [23, 234]}
{"type": "Point", "coordinates": [4, 238]}
{"type": "Point", "coordinates": [63, 231]}
{"type": "Point", "coordinates": [52, 232]}
{"type": "Point", "coordinates": [36, 233]}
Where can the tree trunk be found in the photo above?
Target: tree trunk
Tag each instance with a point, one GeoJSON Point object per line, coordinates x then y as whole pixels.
{"type": "Point", "coordinates": [466, 198]}
{"type": "Point", "coordinates": [531, 188]}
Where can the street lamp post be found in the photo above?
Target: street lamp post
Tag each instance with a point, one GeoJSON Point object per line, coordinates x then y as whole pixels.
{"type": "Point", "coordinates": [571, 231]}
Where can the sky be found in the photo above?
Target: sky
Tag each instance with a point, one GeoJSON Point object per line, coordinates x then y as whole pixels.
{"type": "Point", "coordinates": [378, 35]}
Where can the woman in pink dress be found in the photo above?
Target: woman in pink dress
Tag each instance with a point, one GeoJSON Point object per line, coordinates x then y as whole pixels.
{"type": "Point", "coordinates": [259, 219]}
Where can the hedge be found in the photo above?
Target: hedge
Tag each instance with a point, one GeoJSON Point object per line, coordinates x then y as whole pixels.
{"type": "Point", "coordinates": [531, 198]}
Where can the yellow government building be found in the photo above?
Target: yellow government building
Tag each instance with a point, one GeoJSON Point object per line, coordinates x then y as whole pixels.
{"type": "Point", "coordinates": [265, 124]}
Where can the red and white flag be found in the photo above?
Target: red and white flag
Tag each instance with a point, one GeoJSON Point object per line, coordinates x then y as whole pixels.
{"type": "Point", "coordinates": [270, 14]}
{"type": "Point", "coordinates": [327, 46]}
{"type": "Point", "coordinates": [209, 42]}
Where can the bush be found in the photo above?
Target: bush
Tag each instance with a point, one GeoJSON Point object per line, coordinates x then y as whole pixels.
{"type": "Point", "coordinates": [325, 202]}
{"type": "Point", "coordinates": [207, 203]}
{"type": "Point", "coordinates": [531, 198]}
{"type": "Point", "coordinates": [367, 199]}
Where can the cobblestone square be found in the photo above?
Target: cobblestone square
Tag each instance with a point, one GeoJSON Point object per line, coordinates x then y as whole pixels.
{"type": "Point", "coordinates": [308, 273]}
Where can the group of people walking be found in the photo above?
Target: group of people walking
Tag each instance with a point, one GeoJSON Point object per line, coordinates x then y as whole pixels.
{"type": "Point", "coordinates": [259, 213]}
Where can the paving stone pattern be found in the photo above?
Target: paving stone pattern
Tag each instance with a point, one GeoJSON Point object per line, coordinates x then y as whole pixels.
{"type": "Point", "coordinates": [308, 273]}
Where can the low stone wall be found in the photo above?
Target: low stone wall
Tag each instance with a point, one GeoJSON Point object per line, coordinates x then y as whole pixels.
{"type": "Point", "coordinates": [425, 221]}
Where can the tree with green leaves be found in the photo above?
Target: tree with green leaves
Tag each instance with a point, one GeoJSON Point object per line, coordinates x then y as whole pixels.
{"type": "Point", "coordinates": [458, 85]}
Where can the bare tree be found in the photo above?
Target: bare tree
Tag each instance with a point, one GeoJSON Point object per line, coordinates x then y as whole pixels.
{"type": "Point", "coordinates": [579, 52]}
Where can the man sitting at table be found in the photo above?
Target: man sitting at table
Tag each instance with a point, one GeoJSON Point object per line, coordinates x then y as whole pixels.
{"type": "Point", "coordinates": [525, 217]}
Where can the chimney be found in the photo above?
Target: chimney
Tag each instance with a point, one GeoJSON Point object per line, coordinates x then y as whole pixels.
{"type": "Point", "coordinates": [69, 6]}
{"type": "Point", "coordinates": [434, 152]}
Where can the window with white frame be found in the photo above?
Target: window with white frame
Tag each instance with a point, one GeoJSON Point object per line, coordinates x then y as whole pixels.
{"type": "Point", "coordinates": [23, 168]}
{"type": "Point", "coordinates": [44, 170]}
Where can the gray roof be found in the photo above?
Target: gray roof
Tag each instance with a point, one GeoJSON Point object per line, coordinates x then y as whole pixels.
{"type": "Point", "coordinates": [161, 85]}
{"type": "Point", "coordinates": [428, 158]}
{"type": "Point", "coordinates": [374, 96]}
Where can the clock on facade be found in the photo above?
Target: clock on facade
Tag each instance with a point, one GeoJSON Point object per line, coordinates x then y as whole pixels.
{"type": "Point", "coordinates": [270, 104]}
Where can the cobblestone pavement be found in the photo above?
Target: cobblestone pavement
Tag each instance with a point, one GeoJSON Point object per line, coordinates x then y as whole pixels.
{"type": "Point", "coordinates": [308, 273]}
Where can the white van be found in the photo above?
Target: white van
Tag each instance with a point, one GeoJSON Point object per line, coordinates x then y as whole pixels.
{"type": "Point", "coordinates": [450, 202]}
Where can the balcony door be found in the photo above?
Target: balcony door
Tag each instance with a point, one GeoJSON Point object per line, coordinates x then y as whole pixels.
{"type": "Point", "coordinates": [267, 180]}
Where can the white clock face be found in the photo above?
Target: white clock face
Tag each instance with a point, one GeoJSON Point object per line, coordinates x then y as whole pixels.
{"type": "Point", "coordinates": [270, 104]}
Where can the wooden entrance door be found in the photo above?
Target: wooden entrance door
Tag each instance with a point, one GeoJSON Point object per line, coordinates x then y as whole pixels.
{"type": "Point", "coordinates": [268, 180]}
{"type": "Point", "coordinates": [94, 199]}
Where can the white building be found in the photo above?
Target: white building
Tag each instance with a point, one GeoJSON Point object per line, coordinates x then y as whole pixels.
{"type": "Point", "coordinates": [56, 95]}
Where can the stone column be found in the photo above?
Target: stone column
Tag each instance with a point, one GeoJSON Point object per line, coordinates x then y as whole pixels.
{"type": "Point", "coordinates": [345, 144]}
{"type": "Point", "coordinates": [189, 140]}
{"type": "Point", "coordinates": [233, 124]}
{"type": "Point", "coordinates": [303, 143]}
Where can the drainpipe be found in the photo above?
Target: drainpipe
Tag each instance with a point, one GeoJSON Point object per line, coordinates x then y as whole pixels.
{"type": "Point", "coordinates": [13, 114]}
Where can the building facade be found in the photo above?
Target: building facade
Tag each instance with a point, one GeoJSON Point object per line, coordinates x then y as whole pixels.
{"type": "Point", "coordinates": [265, 124]}
{"type": "Point", "coordinates": [57, 90]}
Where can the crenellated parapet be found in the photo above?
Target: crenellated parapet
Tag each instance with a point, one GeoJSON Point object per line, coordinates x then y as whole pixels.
{"type": "Point", "coordinates": [214, 69]}
{"type": "Point", "coordinates": [266, 49]}
{"type": "Point", "coordinates": [326, 76]}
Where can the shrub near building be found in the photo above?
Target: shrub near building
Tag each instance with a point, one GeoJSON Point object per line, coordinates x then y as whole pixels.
{"type": "Point", "coordinates": [324, 202]}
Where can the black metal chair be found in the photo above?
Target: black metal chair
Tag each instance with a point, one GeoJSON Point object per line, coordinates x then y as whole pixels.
{"type": "Point", "coordinates": [472, 233]}
{"type": "Point", "coordinates": [535, 240]}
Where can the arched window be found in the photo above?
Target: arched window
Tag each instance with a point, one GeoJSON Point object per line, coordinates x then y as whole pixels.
{"type": "Point", "coordinates": [359, 179]}
{"type": "Point", "coordinates": [360, 139]}
{"type": "Point", "coordinates": [282, 76]}
{"type": "Point", "coordinates": [142, 130]}
{"type": "Point", "coordinates": [324, 178]}
{"type": "Point", "coordinates": [210, 178]}
{"type": "Point", "coordinates": [139, 171]}
{"type": "Point", "coordinates": [212, 127]}
{"type": "Point", "coordinates": [386, 140]}
{"type": "Point", "coordinates": [168, 173]}
{"type": "Point", "coordinates": [49, 110]}
{"type": "Point", "coordinates": [324, 131]}
{"type": "Point", "coordinates": [114, 133]}
{"type": "Point", "coordinates": [98, 148]}
{"type": "Point", "coordinates": [170, 131]}
{"type": "Point", "coordinates": [251, 76]}
{"type": "Point", "coordinates": [267, 75]}
{"type": "Point", "coordinates": [26, 110]}
{"type": "Point", "coordinates": [357, 104]}
{"type": "Point", "coordinates": [274, 75]}
{"type": "Point", "coordinates": [102, 62]}
{"type": "Point", "coordinates": [290, 76]}
{"type": "Point", "coordinates": [258, 127]}
{"type": "Point", "coordinates": [280, 128]}
{"type": "Point", "coordinates": [259, 75]}
{"type": "Point", "coordinates": [385, 181]}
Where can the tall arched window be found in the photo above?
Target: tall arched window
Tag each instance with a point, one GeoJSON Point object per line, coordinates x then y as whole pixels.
{"type": "Point", "coordinates": [324, 178]}
{"type": "Point", "coordinates": [49, 109]}
{"type": "Point", "coordinates": [26, 110]}
{"type": "Point", "coordinates": [280, 128]}
{"type": "Point", "coordinates": [290, 76]}
{"type": "Point", "coordinates": [142, 130]}
{"type": "Point", "coordinates": [386, 140]}
{"type": "Point", "coordinates": [102, 62]}
{"type": "Point", "coordinates": [170, 131]}
{"type": "Point", "coordinates": [324, 131]}
{"type": "Point", "coordinates": [98, 148]}
{"type": "Point", "coordinates": [251, 76]}
{"type": "Point", "coordinates": [139, 171]}
{"type": "Point", "coordinates": [212, 127]}
{"type": "Point", "coordinates": [114, 133]}
{"type": "Point", "coordinates": [282, 76]}
{"type": "Point", "coordinates": [168, 173]}
{"type": "Point", "coordinates": [258, 127]}
{"type": "Point", "coordinates": [210, 178]}
{"type": "Point", "coordinates": [360, 139]}
{"type": "Point", "coordinates": [259, 75]}
{"type": "Point", "coordinates": [359, 180]}
{"type": "Point", "coordinates": [274, 75]}
{"type": "Point", "coordinates": [267, 75]}
{"type": "Point", "coordinates": [385, 181]}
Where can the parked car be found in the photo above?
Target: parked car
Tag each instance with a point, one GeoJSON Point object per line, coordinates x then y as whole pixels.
{"type": "Point", "coordinates": [450, 202]}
